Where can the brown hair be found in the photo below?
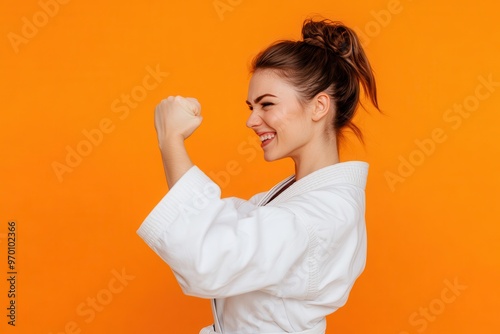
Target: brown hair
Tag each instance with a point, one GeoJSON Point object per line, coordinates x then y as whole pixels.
{"type": "Point", "coordinates": [329, 59]}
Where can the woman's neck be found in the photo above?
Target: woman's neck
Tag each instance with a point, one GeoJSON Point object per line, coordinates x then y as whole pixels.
{"type": "Point", "coordinates": [314, 157]}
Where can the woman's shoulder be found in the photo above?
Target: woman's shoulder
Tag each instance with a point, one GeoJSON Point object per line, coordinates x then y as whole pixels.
{"type": "Point", "coordinates": [331, 184]}
{"type": "Point", "coordinates": [352, 172]}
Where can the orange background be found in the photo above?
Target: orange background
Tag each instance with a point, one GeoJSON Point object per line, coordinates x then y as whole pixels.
{"type": "Point", "coordinates": [431, 224]}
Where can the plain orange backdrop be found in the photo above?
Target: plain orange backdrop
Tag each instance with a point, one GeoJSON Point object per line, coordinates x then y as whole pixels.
{"type": "Point", "coordinates": [432, 197]}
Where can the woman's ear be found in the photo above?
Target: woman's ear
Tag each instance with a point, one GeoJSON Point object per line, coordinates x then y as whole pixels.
{"type": "Point", "coordinates": [321, 104]}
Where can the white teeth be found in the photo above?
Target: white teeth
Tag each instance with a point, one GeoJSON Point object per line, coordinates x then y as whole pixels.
{"type": "Point", "coordinates": [266, 136]}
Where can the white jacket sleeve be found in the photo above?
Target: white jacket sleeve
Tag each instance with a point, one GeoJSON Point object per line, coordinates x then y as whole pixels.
{"type": "Point", "coordinates": [223, 247]}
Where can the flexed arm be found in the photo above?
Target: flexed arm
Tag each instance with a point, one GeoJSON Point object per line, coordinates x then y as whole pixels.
{"type": "Point", "coordinates": [176, 118]}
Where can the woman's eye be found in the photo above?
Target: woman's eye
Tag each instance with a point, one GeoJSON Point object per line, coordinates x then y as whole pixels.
{"type": "Point", "coordinates": [265, 104]}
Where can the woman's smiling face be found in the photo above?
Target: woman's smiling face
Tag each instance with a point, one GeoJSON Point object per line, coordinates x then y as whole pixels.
{"type": "Point", "coordinates": [277, 116]}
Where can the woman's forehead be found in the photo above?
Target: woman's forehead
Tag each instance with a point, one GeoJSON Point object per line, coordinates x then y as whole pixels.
{"type": "Point", "coordinates": [267, 82]}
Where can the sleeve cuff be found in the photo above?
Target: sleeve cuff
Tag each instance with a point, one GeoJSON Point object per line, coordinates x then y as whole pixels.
{"type": "Point", "coordinates": [185, 194]}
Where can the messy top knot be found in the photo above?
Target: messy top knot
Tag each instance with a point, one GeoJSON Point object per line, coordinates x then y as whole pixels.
{"type": "Point", "coordinates": [333, 36]}
{"type": "Point", "coordinates": [329, 59]}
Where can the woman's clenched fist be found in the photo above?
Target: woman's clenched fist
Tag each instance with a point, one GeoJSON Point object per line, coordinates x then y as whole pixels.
{"type": "Point", "coordinates": [176, 117]}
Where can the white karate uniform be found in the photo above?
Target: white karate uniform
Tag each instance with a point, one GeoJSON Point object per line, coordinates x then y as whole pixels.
{"type": "Point", "coordinates": [277, 267]}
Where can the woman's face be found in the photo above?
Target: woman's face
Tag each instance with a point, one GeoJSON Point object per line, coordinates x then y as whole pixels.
{"type": "Point", "coordinates": [277, 117]}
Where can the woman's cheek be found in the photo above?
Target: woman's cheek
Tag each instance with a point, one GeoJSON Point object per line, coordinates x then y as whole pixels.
{"type": "Point", "coordinates": [275, 117]}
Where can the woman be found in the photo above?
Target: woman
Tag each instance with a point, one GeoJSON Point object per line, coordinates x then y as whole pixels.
{"type": "Point", "coordinates": [283, 260]}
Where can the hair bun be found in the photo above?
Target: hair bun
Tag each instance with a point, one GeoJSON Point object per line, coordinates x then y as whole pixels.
{"type": "Point", "coordinates": [330, 35]}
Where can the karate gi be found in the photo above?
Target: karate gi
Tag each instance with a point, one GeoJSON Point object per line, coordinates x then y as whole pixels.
{"type": "Point", "coordinates": [278, 266]}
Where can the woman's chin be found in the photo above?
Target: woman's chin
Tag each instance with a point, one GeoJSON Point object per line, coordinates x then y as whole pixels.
{"type": "Point", "coordinates": [271, 157]}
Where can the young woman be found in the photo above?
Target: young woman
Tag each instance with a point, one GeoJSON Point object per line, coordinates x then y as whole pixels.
{"type": "Point", "coordinates": [283, 260]}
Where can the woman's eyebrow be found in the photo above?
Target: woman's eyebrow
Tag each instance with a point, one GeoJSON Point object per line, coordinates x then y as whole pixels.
{"type": "Point", "coordinates": [259, 98]}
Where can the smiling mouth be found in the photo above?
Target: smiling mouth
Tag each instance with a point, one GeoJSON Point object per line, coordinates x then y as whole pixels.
{"type": "Point", "coordinates": [267, 138]}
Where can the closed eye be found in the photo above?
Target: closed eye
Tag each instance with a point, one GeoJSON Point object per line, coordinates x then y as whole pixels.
{"type": "Point", "coordinates": [264, 104]}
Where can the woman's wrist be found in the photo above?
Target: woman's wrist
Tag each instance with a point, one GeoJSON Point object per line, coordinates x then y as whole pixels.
{"type": "Point", "coordinates": [175, 158]}
{"type": "Point", "coordinates": [170, 141]}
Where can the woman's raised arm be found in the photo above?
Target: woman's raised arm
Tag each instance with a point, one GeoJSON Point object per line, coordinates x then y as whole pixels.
{"type": "Point", "coordinates": [176, 118]}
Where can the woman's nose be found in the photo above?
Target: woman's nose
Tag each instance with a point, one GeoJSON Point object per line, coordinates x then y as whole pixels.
{"type": "Point", "coordinates": [254, 119]}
